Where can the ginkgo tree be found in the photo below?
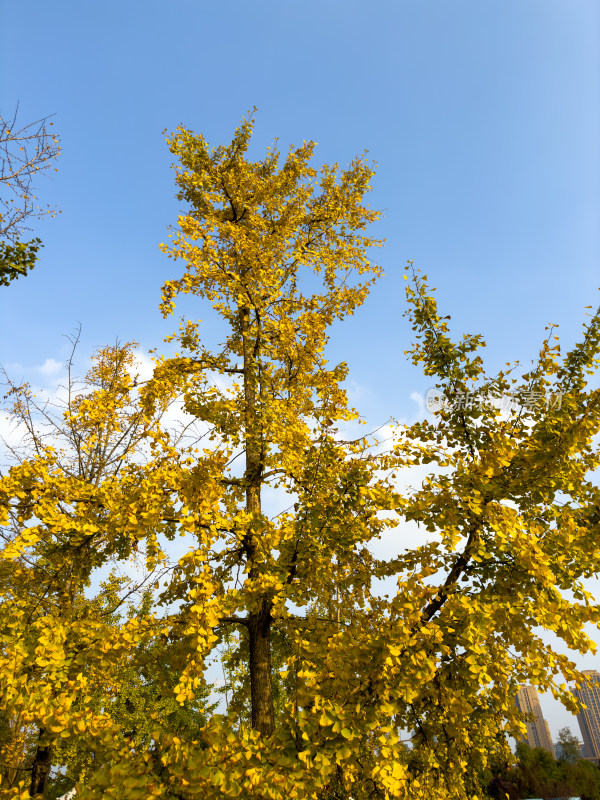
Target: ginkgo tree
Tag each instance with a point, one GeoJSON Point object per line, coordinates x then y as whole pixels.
{"type": "Point", "coordinates": [340, 691]}
{"type": "Point", "coordinates": [72, 449]}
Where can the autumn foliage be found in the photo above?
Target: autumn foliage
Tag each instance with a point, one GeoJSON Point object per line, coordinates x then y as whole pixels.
{"type": "Point", "coordinates": [339, 690]}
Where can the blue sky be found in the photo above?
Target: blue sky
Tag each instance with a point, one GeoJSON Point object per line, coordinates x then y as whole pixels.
{"type": "Point", "coordinates": [483, 118]}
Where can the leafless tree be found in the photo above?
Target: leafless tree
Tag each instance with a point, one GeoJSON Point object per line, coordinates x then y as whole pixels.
{"type": "Point", "coordinates": [25, 151]}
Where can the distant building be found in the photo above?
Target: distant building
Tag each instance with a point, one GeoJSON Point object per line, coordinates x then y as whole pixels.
{"type": "Point", "coordinates": [538, 732]}
{"type": "Point", "coordinates": [589, 717]}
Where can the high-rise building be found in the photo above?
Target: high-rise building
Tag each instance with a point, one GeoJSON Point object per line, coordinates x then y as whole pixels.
{"type": "Point", "coordinates": [589, 717]}
{"type": "Point", "coordinates": [538, 732]}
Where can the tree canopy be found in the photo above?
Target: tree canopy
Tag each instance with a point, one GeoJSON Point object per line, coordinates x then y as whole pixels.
{"type": "Point", "coordinates": [337, 689]}
{"type": "Point", "coordinates": [537, 774]}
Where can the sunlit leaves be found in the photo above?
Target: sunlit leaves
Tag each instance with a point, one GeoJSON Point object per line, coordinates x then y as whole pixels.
{"type": "Point", "coordinates": [337, 687]}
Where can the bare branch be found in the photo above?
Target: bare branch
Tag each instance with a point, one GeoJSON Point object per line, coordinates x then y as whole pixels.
{"type": "Point", "coordinates": [24, 152]}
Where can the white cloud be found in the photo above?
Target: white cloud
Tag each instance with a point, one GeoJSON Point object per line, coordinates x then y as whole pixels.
{"type": "Point", "coordinates": [11, 437]}
{"type": "Point", "coordinates": [419, 399]}
{"type": "Point", "coordinates": [50, 367]}
{"type": "Point", "coordinates": [144, 366]}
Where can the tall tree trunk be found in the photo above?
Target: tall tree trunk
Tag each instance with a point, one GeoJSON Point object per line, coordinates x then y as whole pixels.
{"type": "Point", "coordinates": [261, 688]}
{"type": "Point", "coordinates": [40, 769]}
{"type": "Point", "coordinates": [259, 621]}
